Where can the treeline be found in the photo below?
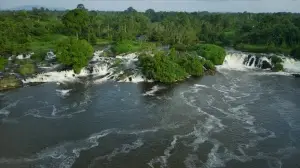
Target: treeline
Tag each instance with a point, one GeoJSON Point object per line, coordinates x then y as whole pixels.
{"type": "Point", "coordinates": [24, 31]}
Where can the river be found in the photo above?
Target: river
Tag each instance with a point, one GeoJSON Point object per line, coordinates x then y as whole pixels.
{"type": "Point", "coordinates": [237, 118]}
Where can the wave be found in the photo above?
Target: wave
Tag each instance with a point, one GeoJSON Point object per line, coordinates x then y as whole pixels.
{"type": "Point", "coordinates": [153, 90]}
{"type": "Point", "coordinates": [63, 93]}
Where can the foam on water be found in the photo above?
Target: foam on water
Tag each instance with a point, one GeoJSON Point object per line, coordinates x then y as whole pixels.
{"type": "Point", "coordinates": [234, 61]}
{"type": "Point", "coordinates": [65, 154]}
{"type": "Point", "coordinates": [27, 56]}
{"type": "Point", "coordinates": [99, 66]}
{"type": "Point", "coordinates": [60, 156]}
{"type": "Point", "coordinates": [4, 111]}
{"type": "Point", "coordinates": [191, 161]}
{"type": "Point", "coordinates": [219, 154]}
{"type": "Point", "coordinates": [291, 65]}
{"type": "Point", "coordinates": [67, 76]}
{"type": "Point", "coordinates": [63, 93]}
{"type": "Point", "coordinates": [214, 160]}
{"type": "Point", "coordinates": [153, 90]}
{"type": "Point", "coordinates": [203, 86]}
{"type": "Point", "coordinates": [163, 160]}
{"type": "Point", "coordinates": [125, 148]}
{"type": "Point", "coordinates": [97, 56]}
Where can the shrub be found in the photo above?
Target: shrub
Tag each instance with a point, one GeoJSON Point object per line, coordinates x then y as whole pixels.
{"type": "Point", "coordinates": [276, 60]}
{"type": "Point", "coordinates": [209, 65]}
{"type": "Point", "coordinates": [75, 53]}
{"type": "Point", "coordinates": [161, 68]}
{"type": "Point", "coordinates": [295, 53]}
{"type": "Point", "coordinates": [125, 47]}
{"type": "Point", "coordinates": [191, 64]}
{"type": "Point", "coordinates": [180, 47]}
{"type": "Point", "coordinates": [211, 52]}
{"type": "Point", "coordinates": [27, 69]}
{"type": "Point", "coordinates": [277, 67]}
{"type": "Point", "coordinates": [39, 55]}
{"type": "Point", "coordinates": [3, 63]}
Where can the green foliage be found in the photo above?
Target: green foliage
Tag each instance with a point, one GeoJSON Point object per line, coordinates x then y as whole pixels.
{"type": "Point", "coordinates": [296, 52]}
{"type": "Point", "coordinates": [162, 68]}
{"type": "Point", "coordinates": [39, 55]}
{"type": "Point", "coordinates": [261, 48]}
{"type": "Point", "coordinates": [180, 47]}
{"type": "Point", "coordinates": [209, 65]}
{"type": "Point", "coordinates": [27, 69]}
{"type": "Point", "coordinates": [132, 46]}
{"type": "Point", "coordinates": [172, 67]}
{"type": "Point", "coordinates": [276, 60]}
{"type": "Point", "coordinates": [277, 67]}
{"type": "Point", "coordinates": [76, 22]}
{"type": "Point", "coordinates": [40, 29]}
{"type": "Point", "coordinates": [74, 53]}
{"type": "Point", "coordinates": [125, 47]}
{"type": "Point", "coordinates": [214, 53]}
{"type": "Point", "coordinates": [192, 64]}
{"type": "Point", "coordinates": [3, 63]}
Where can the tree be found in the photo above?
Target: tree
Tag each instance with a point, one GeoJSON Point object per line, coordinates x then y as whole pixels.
{"type": "Point", "coordinates": [74, 53]}
{"type": "Point", "coordinates": [296, 52]}
{"type": "Point", "coordinates": [76, 21]}
{"type": "Point", "coordinates": [80, 6]}
{"type": "Point", "coordinates": [130, 10]}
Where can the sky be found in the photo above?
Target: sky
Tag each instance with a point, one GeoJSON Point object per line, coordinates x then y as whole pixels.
{"type": "Point", "coordinates": [166, 5]}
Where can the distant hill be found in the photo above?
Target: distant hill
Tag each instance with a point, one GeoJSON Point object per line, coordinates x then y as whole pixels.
{"type": "Point", "coordinates": [29, 7]}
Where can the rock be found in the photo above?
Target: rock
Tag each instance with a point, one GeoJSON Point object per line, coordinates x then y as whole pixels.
{"type": "Point", "coordinates": [296, 75]}
{"type": "Point", "coordinates": [266, 65]}
{"type": "Point", "coordinates": [210, 72]}
{"type": "Point", "coordinates": [10, 82]}
{"type": "Point", "coordinates": [90, 69]}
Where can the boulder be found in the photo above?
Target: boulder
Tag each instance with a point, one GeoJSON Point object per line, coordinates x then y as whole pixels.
{"type": "Point", "coordinates": [9, 82]}
{"type": "Point", "coordinates": [266, 65]}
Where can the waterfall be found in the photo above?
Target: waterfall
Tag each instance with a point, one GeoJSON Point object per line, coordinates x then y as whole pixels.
{"type": "Point", "coordinates": [291, 65]}
{"type": "Point", "coordinates": [241, 61]}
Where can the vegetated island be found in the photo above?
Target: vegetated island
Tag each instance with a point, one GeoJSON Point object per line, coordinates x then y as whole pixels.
{"type": "Point", "coordinates": [171, 46]}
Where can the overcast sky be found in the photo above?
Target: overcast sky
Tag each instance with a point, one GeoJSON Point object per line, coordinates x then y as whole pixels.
{"type": "Point", "coordinates": [167, 5]}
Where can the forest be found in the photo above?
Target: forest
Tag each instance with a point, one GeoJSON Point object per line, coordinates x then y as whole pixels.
{"type": "Point", "coordinates": [41, 30]}
{"type": "Point", "coordinates": [22, 31]}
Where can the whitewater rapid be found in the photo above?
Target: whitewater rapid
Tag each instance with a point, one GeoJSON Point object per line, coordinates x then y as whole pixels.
{"type": "Point", "coordinates": [100, 68]}
{"type": "Point", "coordinates": [236, 60]}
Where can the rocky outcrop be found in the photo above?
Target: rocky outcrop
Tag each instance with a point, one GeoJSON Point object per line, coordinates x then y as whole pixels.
{"type": "Point", "coordinates": [9, 82]}
{"type": "Point", "coordinates": [266, 65]}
